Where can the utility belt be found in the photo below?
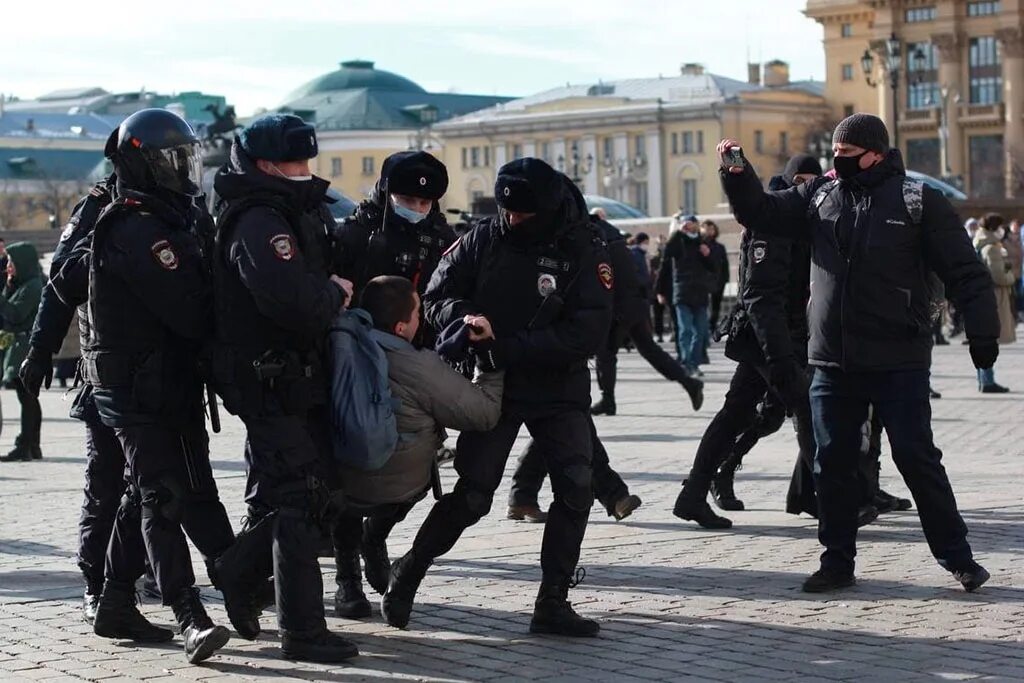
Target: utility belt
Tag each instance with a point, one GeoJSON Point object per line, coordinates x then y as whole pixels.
{"type": "Point", "coordinates": [259, 382]}
{"type": "Point", "coordinates": [113, 369]}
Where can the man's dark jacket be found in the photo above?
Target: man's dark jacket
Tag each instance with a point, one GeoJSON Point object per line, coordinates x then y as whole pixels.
{"type": "Point", "coordinates": [503, 272]}
{"type": "Point", "coordinates": [870, 295]}
{"type": "Point", "coordinates": [686, 275]}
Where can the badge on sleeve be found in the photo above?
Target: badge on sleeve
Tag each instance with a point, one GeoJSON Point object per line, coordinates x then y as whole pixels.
{"type": "Point", "coordinates": [284, 247]}
{"type": "Point", "coordinates": [546, 284]}
{"type": "Point", "coordinates": [605, 274]}
{"type": "Point", "coordinates": [760, 251]}
{"type": "Point", "coordinates": [164, 254]}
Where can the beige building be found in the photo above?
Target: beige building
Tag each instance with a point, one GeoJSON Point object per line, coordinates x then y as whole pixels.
{"type": "Point", "coordinates": [960, 95]}
{"type": "Point", "coordinates": [649, 142]}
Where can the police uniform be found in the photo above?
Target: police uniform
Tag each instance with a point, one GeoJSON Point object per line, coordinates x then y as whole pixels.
{"type": "Point", "coordinates": [66, 291]}
{"type": "Point", "coordinates": [378, 241]}
{"type": "Point", "coordinates": [767, 336]}
{"type": "Point", "coordinates": [275, 304]}
{"type": "Point", "coordinates": [545, 285]}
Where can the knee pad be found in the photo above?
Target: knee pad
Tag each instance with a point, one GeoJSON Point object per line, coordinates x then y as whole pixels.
{"type": "Point", "coordinates": [164, 500]}
{"type": "Point", "coordinates": [578, 492]}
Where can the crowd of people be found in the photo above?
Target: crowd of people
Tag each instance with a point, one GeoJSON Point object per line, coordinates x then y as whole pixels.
{"type": "Point", "coordinates": [347, 350]}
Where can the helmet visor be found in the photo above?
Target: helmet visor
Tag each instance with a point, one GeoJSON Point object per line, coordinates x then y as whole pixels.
{"type": "Point", "coordinates": [178, 169]}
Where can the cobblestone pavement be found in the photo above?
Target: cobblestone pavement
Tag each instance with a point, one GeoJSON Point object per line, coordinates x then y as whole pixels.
{"type": "Point", "coordinates": [675, 602]}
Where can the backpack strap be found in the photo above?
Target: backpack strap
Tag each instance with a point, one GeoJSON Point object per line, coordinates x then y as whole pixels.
{"type": "Point", "coordinates": [913, 199]}
{"type": "Point", "coordinates": [822, 192]}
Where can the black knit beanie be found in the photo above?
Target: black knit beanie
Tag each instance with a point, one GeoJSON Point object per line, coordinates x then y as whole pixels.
{"type": "Point", "coordinates": [863, 130]}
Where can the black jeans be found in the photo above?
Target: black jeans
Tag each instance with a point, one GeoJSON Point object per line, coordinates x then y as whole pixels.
{"type": "Point", "coordinates": [609, 488]}
{"type": "Point", "coordinates": [31, 416]}
{"type": "Point", "coordinates": [839, 401]}
{"type": "Point", "coordinates": [564, 440]}
{"type": "Point", "coordinates": [173, 481]}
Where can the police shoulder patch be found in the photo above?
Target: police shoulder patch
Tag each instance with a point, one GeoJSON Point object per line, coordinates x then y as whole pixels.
{"type": "Point", "coordinates": [759, 251]}
{"type": "Point", "coordinates": [283, 246]}
{"type": "Point", "coordinates": [606, 275]}
{"type": "Point", "coordinates": [165, 255]}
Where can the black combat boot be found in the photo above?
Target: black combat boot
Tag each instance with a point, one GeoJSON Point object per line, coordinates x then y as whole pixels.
{"type": "Point", "coordinates": [349, 600]}
{"type": "Point", "coordinates": [240, 574]}
{"type": "Point", "coordinates": [722, 486]}
{"type": "Point", "coordinates": [886, 502]}
{"type": "Point", "coordinates": [970, 574]}
{"type": "Point", "coordinates": [201, 637]}
{"type": "Point", "coordinates": [553, 613]}
{"type": "Point", "coordinates": [606, 406]}
{"type": "Point", "coordinates": [89, 605]}
{"type": "Point", "coordinates": [866, 514]}
{"type": "Point", "coordinates": [322, 647]}
{"type": "Point", "coordinates": [694, 388]}
{"type": "Point", "coordinates": [406, 574]}
{"type": "Point", "coordinates": [118, 617]}
{"type": "Point", "coordinates": [692, 504]}
{"type": "Point", "coordinates": [376, 565]}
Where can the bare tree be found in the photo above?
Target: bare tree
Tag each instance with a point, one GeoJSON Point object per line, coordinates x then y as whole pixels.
{"type": "Point", "coordinates": [58, 197]}
{"type": "Point", "coordinates": [12, 204]}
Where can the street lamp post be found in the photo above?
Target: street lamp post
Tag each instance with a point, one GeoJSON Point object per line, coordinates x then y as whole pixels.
{"type": "Point", "coordinates": [580, 167]}
{"type": "Point", "coordinates": [891, 67]}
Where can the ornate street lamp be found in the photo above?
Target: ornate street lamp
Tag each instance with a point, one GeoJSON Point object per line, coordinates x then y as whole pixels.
{"type": "Point", "coordinates": [891, 66]}
{"type": "Point", "coordinates": [580, 167]}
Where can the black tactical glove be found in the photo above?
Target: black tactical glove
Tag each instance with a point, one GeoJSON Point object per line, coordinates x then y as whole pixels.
{"type": "Point", "coordinates": [36, 370]}
{"type": "Point", "coordinates": [488, 359]}
{"type": "Point", "coordinates": [788, 380]}
{"type": "Point", "coordinates": [984, 352]}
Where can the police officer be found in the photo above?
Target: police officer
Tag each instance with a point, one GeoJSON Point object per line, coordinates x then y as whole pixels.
{"type": "Point", "coordinates": [275, 301]}
{"type": "Point", "coordinates": [105, 463]}
{"type": "Point", "coordinates": [535, 282]}
{"type": "Point", "coordinates": [401, 231]}
{"type": "Point", "coordinates": [768, 338]}
{"type": "Point", "coordinates": [149, 308]}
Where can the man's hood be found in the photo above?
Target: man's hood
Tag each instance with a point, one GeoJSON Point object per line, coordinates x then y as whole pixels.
{"type": "Point", "coordinates": [25, 259]}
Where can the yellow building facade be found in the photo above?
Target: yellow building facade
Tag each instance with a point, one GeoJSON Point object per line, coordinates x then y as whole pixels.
{"type": "Point", "coordinates": [960, 95]}
{"type": "Point", "coordinates": [647, 142]}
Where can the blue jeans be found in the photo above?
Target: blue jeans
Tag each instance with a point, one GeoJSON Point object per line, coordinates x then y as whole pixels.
{"type": "Point", "coordinates": [839, 407]}
{"type": "Point", "coordinates": [691, 333]}
{"type": "Point", "coordinates": [986, 377]}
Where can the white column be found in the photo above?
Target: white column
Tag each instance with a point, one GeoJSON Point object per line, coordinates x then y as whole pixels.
{"type": "Point", "coordinates": [530, 149]}
{"type": "Point", "coordinates": [655, 195]}
{"type": "Point", "coordinates": [500, 154]}
{"type": "Point", "coordinates": [620, 152]}
{"type": "Point", "coordinates": [588, 147]}
{"type": "Point", "coordinates": [558, 150]}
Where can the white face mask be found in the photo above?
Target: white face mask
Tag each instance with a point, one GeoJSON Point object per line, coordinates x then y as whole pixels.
{"type": "Point", "coordinates": [293, 178]}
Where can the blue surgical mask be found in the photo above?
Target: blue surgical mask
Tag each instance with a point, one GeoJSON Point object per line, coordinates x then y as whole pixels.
{"type": "Point", "coordinates": [409, 215]}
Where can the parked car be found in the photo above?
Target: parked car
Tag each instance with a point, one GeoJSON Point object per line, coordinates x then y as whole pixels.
{"type": "Point", "coordinates": [951, 193]}
{"type": "Point", "coordinates": [615, 209]}
{"type": "Point", "coordinates": [342, 208]}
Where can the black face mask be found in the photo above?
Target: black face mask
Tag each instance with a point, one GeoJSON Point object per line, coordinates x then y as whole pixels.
{"type": "Point", "coordinates": [848, 167]}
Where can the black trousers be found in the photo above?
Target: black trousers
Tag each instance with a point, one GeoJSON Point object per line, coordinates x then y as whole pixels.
{"type": "Point", "coordinates": [173, 481]}
{"type": "Point", "coordinates": [349, 532]}
{"type": "Point", "coordinates": [607, 359]}
{"type": "Point", "coordinates": [564, 440]}
{"type": "Point", "coordinates": [31, 415]}
{"type": "Point", "coordinates": [287, 455]}
{"type": "Point", "coordinates": [716, 308]}
{"type": "Point", "coordinates": [658, 311]}
{"type": "Point", "coordinates": [609, 488]}
{"type": "Point", "coordinates": [106, 480]}
{"type": "Point", "coordinates": [747, 388]}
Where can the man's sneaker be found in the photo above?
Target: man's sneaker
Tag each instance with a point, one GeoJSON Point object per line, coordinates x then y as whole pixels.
{"type": "Point", "coordinates": [694, 388]}
{"type": "Point", "coordinates": [886, 502]}
{"type": "Point", "coordinates": [825, 580]}
{"type": "Point", "coordinates": [994, 389]}
{"type": "Point", "coordinates": [322, 648]}
{"type": "Point", "coordinates": [625, 506]}
{"type": "Point", "coordinates": [89, 605]}
{"type": "Point", "coordinates": [406, 574]}
{"type": "Point", "coordinates": [553, 613]}
{"type": "Point", "coordinates": [527, 513]}
{"type": "Point", "coordinates": [972, 576]}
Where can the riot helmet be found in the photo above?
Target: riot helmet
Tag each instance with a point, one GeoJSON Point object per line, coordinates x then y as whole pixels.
{"type": "Point", "coordinates": [156, 149]}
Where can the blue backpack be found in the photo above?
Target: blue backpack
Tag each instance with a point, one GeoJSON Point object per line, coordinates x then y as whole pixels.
{"type": "Point", "coordinates": [365, 432]}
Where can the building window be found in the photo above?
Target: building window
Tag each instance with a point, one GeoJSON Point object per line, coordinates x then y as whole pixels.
{"type": "Point", "coordinates": [923, 78]}
{"type": "Point", "coordinates": [687, 143]}
{"type": "Point", "coordinates": [920, 14]}
{"type": "Point", "coordinates": [759, 141]}
{"type": "Point", "coordinates": [784, 143]}
{"type": "Point", "coordinates": [689, 204]}
{"type": "Point", "coordinates": [336, 167]}
{"type": "Point", "coordinates": [545, 151]}
{"type": "Point", "coordinates": [847, 72]}
{"type": "Point", "coordinates": [847, 110]}
{"type": "Point", "coordinates": [923, 156]}
{"type": "Point", "coordinates": [465, 162]}
{"type": "Point", "coordinates": [846, 30]}
{"type": "Point", "coordinates": [367, 165]}
{"type": "Point", "coordinates": [986, 166]}
{"type": "Point", "coordinates": [982, 9]}
{"type": "Point", "coordinates": [609, 154]}
{"type": "Point", "coordinates": [675, 143]}
{"type": "Point", "coordinates": [985, 71]}
{"type": "Point", "coordinates": [474, 157]}
{"type": "Point", "coordinates": [487, 156]}
{"type": "Point", "coordinates": [641, 146]}
{"type": "Point", "coordinates": [640, 196]}
{"type": "Point", "coordinates": [517, 151]}
{"type": "Point", "coordinates": [700, 142]}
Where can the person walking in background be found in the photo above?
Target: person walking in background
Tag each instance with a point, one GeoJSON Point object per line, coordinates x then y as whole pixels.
{"type": "Point", "coordinates": [720, 258]}
{"type": "Point", "coordinates": [657, 307]}
{"type": "Point", "coordinates": [686, 276]}
{"type": "Point", "coordinates": [1015, 252]}
{"type": "Point", "coordinates": [988, 240]}
{"type": "Point", "coordinates": [18, 309]}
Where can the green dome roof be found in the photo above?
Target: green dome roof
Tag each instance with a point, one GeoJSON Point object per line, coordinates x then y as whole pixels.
{"type": "Point", "coordinates": [356, 75]}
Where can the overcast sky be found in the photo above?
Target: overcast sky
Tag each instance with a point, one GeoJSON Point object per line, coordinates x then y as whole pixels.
{"type": "Point", "coordinates": [256, 52]}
